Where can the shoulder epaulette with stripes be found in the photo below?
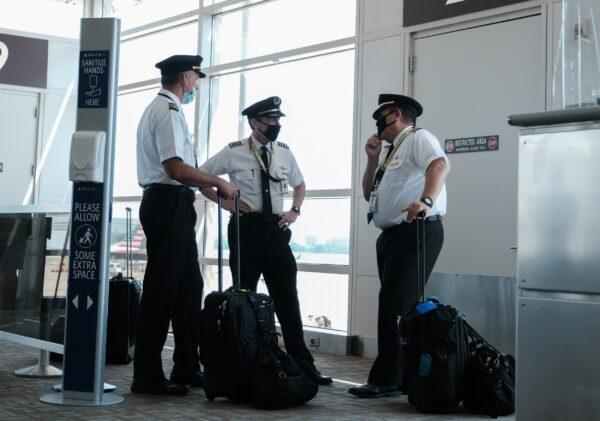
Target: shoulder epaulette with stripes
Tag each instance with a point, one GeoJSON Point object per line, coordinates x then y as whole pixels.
{"type": "Point", "coordinates": [283, 145]}
{"type": "Point", "coordinates": [235, 144]}
{"type": "Point", "coordinates": [173, 107]}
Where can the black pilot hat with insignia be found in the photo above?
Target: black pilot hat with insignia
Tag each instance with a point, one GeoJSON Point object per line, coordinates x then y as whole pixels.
{"type": "Point", "coordinates": [180, 63]}
{"type": "Point", "coordinates": [269, 108]}
{"type": "Point", "coordinates": [400, 101]}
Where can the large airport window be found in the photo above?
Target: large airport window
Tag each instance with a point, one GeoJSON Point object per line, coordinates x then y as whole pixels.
{"type": "Point", "coordinates": [317, 96]}
{"type": "Point", "coordinates": [118, 241]}
{"type": "Point", "coordinates": [274, 26]}
{"type": "Point", "coordinates": [323, 297]}
{"type": "Point", "coordinates": [319, 236]}
{"type": "Point", "coordinates": [129, 111]}
{"type": "Point", "coordinates": [137, 13]}
{"type": "Point", "coordinates": [140, 54]}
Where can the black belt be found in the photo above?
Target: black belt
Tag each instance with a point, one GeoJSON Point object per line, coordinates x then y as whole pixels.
{"type": "Point", "coordinates": [260, 216]}
{"type": "Point", "coordinates": [172, 188]}
{"type": "Point", "coordinates": [433, 218]}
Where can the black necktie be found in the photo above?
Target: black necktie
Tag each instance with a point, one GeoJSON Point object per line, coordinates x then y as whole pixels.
{"type": "Point", "coordinates": [266, 187]}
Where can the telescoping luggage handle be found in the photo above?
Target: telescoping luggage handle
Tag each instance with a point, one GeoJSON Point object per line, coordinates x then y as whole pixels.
{"type": "Point", "coordinates": [236, 280]}
{"type": "Point", "coordinates": [129, 243]}
{"type": "Point", "coordinates": [421, 271]}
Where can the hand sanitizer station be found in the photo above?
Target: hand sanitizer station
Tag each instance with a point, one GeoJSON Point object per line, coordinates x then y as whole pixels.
{"type": "Point", "coordinates": [91, 171]}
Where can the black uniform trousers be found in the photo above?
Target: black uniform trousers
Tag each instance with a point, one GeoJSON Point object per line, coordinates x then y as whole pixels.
{"type": "Point", "coordinates": [172, 288]}
{"type": "Point", "coordinates": [264, 248]}
{"type": "Point", "coordinates": [397, 266]}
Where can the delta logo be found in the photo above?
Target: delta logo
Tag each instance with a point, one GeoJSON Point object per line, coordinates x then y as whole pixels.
{"type": "Point", "coordinates": [3, 54]}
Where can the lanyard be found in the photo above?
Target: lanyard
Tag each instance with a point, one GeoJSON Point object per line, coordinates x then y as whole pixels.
{"type": "Point", "coordinates": [390, 155]}
{"type": "Point", "coordinates": [261, 162]}
{"type": "Point", "coordinates": [259, 158]}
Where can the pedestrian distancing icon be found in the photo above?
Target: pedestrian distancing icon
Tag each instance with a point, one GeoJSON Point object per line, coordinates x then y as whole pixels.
{"type": "Point", "coordinates": [86, 236]}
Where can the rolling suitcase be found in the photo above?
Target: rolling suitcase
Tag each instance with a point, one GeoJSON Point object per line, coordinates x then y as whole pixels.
{"type": "Point", "coordinates": [124, 298]}
{"type": "Point", "coordinates": [435, 344]}
{"type": "Point", "coordinates": [238, 346]}
{"type": "Point", "coordinates": [229, 335]}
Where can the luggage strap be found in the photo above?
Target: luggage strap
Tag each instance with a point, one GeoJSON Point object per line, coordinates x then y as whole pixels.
{"type": "Point", "coordinates": [262, 329]}
{"type": "Point", "coordinates": [421, 266]}
{"type": "Point", "coordinates": [236, 281]}
{"type": "Point", "coordinates": [476, 337]}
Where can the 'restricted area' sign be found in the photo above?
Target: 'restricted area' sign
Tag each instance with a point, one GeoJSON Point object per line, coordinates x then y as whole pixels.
{"type": "Point", "coordinates": [93, 79]}
{"type": "Point", "coordinates": [472, 144]}
{"type": "Point", "coordinates": [84, 279]}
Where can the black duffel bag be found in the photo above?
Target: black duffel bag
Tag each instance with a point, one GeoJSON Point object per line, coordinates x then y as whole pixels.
{"type": "Point", "coordinates": [277, 381]}
{"type": "Point", "coordinates": [489, 380]}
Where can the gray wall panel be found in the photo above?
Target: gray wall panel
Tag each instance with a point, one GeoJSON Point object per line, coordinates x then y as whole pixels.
{"type": "Point", "coordinates": [558, 375]}
{"type": "Point", "coordinates": [488, 302]}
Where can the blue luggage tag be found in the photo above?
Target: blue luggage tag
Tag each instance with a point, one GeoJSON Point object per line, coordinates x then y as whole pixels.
{"type": "Point", "coordinates": [426, 307]}
{"type": "Point", "coordinates": [425, 365]}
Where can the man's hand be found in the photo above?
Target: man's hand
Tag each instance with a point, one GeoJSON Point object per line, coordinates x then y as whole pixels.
{"type": "Point", "coordinates": [286, 219]}
{"type": "Point", "coordinates": [373, 148]}
{"type": "Point", "coordinates": [230, 206]}
{"type": "Point", "coordinates": [414, 209]}
{"type": "Point", "coordinates": [227, 190]}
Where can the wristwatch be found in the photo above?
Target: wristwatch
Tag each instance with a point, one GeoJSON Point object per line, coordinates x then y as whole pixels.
{"type": "Point", "coordinates": [296, 209]}
{"type": "Point", "coordinates": [428, 201]}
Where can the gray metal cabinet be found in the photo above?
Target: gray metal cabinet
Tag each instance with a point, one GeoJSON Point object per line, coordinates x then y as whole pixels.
{"type": "Point", "coordinates": [558, 304]}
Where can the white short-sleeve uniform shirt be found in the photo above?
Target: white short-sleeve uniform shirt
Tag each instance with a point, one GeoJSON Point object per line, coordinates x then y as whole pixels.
{"type": "Point", "coordinates": [239, 162]}
{"type": "Point", "coordinates": [162, 134]}
{"type": "Point", "coordinates": [404, 179]}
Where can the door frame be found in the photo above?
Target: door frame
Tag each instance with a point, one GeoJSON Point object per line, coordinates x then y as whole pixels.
{"type": "Point", "coordinates": [37, 152]}
{"type": "Point", "coordinates": [545, 55]}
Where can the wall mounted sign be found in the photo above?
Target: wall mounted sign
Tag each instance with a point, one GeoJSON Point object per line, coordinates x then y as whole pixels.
{"type": "Point", "coordinates": [93, 79]}
{"type": "Point", "coordinates": [23, 61]}
{"type": "Point", "coordinates": [472, 144]}
{"type": "Point", "coordinates": [422, 11]}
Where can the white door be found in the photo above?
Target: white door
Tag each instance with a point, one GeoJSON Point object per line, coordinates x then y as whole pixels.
{"type": "Point", "coordinates": [18, 137]}
{"type": "Point", "coordinates": [469, 82]}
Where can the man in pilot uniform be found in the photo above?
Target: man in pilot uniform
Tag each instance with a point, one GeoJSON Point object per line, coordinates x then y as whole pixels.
{"type": "Point", "coordinates": [405, 178]}
{"type": "Point", "coordinates": [172, 290]}
{"type": "Point", "coordinates": [264, 169]}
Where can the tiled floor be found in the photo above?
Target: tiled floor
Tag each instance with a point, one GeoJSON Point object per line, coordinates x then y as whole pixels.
{"type": "Point", "coordinates": [19, 397]}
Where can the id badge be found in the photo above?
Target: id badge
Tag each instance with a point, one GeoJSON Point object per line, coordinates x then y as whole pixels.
{"type": "Point", "coordinates": [284, 186]}
{"type": "Point", "coordinates": [373, 202]}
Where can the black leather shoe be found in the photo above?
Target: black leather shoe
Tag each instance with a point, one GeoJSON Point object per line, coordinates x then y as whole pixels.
{"type": "Point", "coordinates": [369, 390]}
{"type": "Point", "coordinates": [322, 379]}
{"type": "Point", "coordinates": [315, 375]}
{"type": "Point", "coordinates": [196, 379]}
{"type": "Point", "coordinates": [162, 388]}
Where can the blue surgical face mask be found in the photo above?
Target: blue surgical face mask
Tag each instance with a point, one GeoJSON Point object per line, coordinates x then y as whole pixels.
{"type": "Point", "coordinates": [188, 96]}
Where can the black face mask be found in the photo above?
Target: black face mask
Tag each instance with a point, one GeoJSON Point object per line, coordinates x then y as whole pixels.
{"type": "Point", "coordinates": [272, 131]}
{"type": "Point", "coordinates": [382, 124]}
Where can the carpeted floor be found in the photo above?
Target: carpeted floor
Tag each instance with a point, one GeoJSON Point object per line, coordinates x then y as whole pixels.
{"type": "Point", "coordinates": [19, 397]}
